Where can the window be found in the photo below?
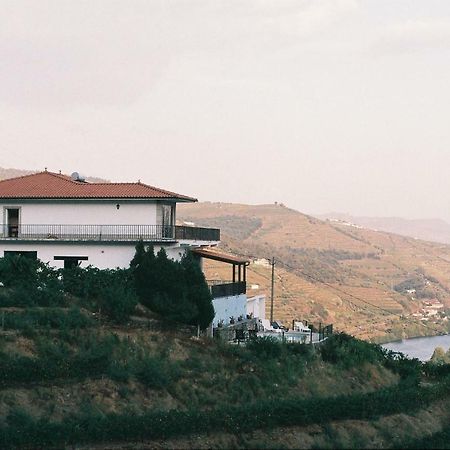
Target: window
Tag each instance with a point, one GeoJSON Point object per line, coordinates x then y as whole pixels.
{"type": "Point", "coordinates": [71, 261]}
{"type": "Point", "coordinates": [24, 253]}
{"type": "Point", "coordinates": [12, 220]}
{"type": "Point", "coordinates": [166, 219]}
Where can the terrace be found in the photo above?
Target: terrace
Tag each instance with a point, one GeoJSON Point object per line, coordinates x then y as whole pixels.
{"type": "Point", "coordinates": [238, 284]}
{"type": "Point", "coordinates": [107, 233]}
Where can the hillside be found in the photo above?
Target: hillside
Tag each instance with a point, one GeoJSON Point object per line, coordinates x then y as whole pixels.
{"type": "Point", "coordinates": [435, 230]}
{"type": "Point", "coordinates": [369, 283]}
{"type": "Point", "coordinates": [12, 173]}
{"type": "Point", "coordinates": [74, 380]}
{"type": "Point", "coordinates": [113, 359]}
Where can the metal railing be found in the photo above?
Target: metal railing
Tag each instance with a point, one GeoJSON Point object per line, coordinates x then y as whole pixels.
{"type": "Point", "coordinates": [197, 233]}
{"type": "Point", "coordinates": [228, 289]}
{"type": "Point", "coordinates": [155, 233]}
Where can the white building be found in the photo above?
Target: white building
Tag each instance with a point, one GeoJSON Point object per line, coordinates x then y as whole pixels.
{"type": "Point", "coordinates": [66, 221]}
{"type": "Point", "coordinates": [230, 298]}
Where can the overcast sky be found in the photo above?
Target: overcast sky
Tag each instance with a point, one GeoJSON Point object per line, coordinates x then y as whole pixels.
{"type": "Point", "coordinates": [324, 105]}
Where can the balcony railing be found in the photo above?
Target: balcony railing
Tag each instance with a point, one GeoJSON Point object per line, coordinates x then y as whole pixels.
{"type": "Point", "coordinates": [228, 289]}
{"type": "Point", "coordinates": [153, 233]}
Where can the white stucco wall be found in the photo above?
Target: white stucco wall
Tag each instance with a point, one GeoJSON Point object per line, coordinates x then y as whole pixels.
{"type": "Point", "coordinates": [257, 306]}
{"type": "Point", "coordinates": [85, 213]}
{"type": "Point", "coordinates": [103, 256]}
{"type": "Point", "coordinates": [226, 307]}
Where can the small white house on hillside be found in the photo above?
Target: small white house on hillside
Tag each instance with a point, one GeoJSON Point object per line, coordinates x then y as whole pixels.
{"type": "Point", "coordinates": [67, 221]}
{"type": "Point", "coordinates": [230, 297]}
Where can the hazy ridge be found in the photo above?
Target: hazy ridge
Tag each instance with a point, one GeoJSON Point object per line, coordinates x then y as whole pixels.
{"type": "Point", "coordinates": [435, 230]}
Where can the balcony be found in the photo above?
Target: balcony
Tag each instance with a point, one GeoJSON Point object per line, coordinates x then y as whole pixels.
{"type": "Point", "coordinates": [227, 289]}
{"type": "Point", "coordinates": [107, 233]}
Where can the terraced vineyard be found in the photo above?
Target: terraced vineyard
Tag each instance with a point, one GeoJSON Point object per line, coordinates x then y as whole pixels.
{"type": "Point", "coordinates": [330, 272]}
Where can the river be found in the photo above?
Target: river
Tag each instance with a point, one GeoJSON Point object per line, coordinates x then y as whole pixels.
{"type": "Point", "coordinates": [421, 347]}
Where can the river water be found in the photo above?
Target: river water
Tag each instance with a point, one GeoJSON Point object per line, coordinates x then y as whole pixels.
{"type": "Point", "coordinates": [421, 348]}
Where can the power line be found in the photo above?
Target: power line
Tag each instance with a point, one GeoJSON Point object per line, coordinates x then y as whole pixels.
{"type": "Point", "coordinates": [401, 316]}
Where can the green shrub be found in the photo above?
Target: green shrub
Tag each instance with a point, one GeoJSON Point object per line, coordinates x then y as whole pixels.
{"type": "Point", "coordinates": [18, 271]}
{"type": "Point", "coordinates": [91, 426]}
{"type": "Point", "coordinates": [46, 318]}
{"type": "Point", "coordinates": [56, 359]}
{"type": "Point", "coordinates": [117, 302]}
{"type": "Point", "coordinates": [408, 369]}
{"type": "Point", "coordinates": [157, 373]}
{"type": "Point", "coordinates": [265, 347]}
{"type": "Point", "coordinates": [347, 351]}
{"type": "Point", "coordinates": [175, 290]}
{"type": "Point", "coordinates": [119, 372]}
{"type": "Point", "coordinates": [110, 291]}
{"type": "Point", "coordinates": [436, 370]}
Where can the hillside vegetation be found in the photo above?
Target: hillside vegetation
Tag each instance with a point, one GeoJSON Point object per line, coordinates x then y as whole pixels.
{"type": "Point", "coordinates": [371, 284]}
{"type": "Point", "coordinates": [85, 382]}
{"type": "Point", "coordinates": [95, 358]}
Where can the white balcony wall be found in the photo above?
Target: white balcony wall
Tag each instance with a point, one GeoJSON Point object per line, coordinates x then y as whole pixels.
{"type": "Point", "coordinates": [257, 306]}
{"type": "Point", "coordinates": [231, 306]}
{"type": "Point", "coordinates": [86, 213]}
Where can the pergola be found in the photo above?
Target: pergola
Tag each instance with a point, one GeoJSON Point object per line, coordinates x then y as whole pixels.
{"type": "Point", "coordinates": [239, 264]}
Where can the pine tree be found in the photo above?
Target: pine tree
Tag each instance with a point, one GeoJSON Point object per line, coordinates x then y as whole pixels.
{"type": "Point", "coordinates": [176, 290]}
{"type": "Point", "coordinates": [198, 291]}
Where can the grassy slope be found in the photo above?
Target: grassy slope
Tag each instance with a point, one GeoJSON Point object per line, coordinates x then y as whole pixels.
{"type": "Point", "coordinates": [148, 370]}
{"type": "Point", "coordinates": [363, 263]}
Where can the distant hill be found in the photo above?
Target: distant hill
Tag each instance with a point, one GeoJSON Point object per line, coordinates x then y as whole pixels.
{"type": "Point", "coordinates": [12, 173]}
{"type": "Point", "coordinates": [435, 230]}
{"type": "Point", "coordinates": [370, 283]}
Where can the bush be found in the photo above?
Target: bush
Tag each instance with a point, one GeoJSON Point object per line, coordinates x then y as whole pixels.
{"type": "Point", "coordinates": [175, 290]}
{"type": "Point", "coordinates": [90, 427]}
{"type": "Point", "coordinates": [156, 373]}
{"type": "Point", "coordinates": [57, 360]}
{"type": "Point", "coordinates": [408, 369]}
{"type": "Point", "coordinates": [265, 347]}
{"type": "Point", "coordinates": [47, 318]}
{"type": "Point", "coordinates": [31, 283]}
{"type": "Point", "coordinates": [18, 271]}
{"type": "Point", "coordinates": [117, 302]}
{"type": "Point", "coordinates": [110, 291]}
{"type": "Point", "coordinates": [347, 351]}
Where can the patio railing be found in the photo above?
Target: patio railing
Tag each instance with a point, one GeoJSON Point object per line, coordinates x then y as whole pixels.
{"type": "Point", "coordinates": [228, 289]}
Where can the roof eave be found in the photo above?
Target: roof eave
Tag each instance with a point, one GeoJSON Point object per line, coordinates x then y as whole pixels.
{"type": "Point", "coordinates": [172, 199]}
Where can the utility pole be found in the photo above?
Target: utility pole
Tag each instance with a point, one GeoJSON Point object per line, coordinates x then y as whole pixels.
{"type": "Point", "coordinates": [271, 292]}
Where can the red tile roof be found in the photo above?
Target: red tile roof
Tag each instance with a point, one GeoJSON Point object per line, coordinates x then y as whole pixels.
{"type": "Point", "coordinates": [49, 185]}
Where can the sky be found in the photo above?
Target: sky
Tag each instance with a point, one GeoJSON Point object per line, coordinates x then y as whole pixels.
{"type": "Point", "coordinates": [323, 105]}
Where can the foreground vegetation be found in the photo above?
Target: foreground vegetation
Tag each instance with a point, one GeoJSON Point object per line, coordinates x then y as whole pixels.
{"type": "Point", "coordinates": [169, 386]}
{"type": "Point", "coordinates": [84, 362]}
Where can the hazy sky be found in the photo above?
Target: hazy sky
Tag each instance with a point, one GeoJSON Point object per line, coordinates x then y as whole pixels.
{"type": "Point", "coordinates": [324, 105]}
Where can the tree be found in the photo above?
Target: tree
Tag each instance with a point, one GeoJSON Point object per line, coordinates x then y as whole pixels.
{"type": "Point", "coordinates": [175, 290]}
{"type": "Point", "coordinates": [197, 290]}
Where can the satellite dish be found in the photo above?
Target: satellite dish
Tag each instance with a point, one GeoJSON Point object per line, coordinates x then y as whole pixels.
{"type": "Point", "coordinates": [76, 176]}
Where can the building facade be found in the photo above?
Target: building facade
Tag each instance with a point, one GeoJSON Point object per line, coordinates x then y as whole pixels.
{"type": "Point", "coordinates": [67, 221]}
